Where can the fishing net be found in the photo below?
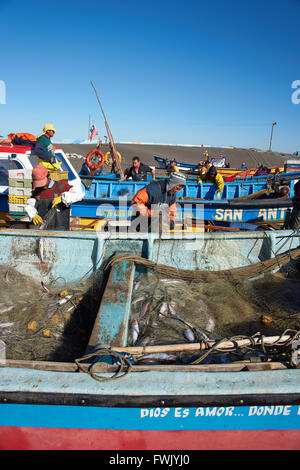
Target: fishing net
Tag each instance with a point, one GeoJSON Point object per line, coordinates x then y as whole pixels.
{"type": "Point", "coordinates": [46, 322]}
{"type": "Point", "coordinates": [213, 309]}
{"type": "Point", "coordinates": [54, 322]}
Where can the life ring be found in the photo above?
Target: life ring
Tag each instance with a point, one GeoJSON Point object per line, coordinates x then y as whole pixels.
{"type": "Point", "coordinates": [108, 158]}
{"type": "Point", "coordinates": [92, 159]}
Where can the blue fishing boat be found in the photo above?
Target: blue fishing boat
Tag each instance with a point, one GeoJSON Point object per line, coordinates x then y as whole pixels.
{"type": "Point", "coordinates": [217, 211]}
{"type": "Point", "coordinates": [163, 163]}
{"type": "Point", "coordinates": [110, 198]}
{"type": "Point", "coordinates": [107, 196]}
{"type": "Point", "coordinates": [106, 188]}
{"type": "Point", "coordinates": [83, 405]}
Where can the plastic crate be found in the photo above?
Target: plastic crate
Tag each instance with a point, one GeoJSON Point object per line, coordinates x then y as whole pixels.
{"type": "Point", "coordinates": [17, 199]}
{"type": "Point", "coordinates": [21, 173]}
{"type": "Point", "coordinates": [59, 175]}
{"type": "Point", "coordinates": [18, 208]}
{"type": "Point", "coordinates": [19, 191]}
{"type": "Point", "coordinates": [20, 183]}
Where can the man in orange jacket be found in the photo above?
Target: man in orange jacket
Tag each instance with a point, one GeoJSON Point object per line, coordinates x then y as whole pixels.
{"type": "Point", "coordinates": [158, 197]}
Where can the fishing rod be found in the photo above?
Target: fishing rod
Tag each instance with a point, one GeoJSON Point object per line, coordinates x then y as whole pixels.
{"type": "Point", "coordinates": [111, 140]}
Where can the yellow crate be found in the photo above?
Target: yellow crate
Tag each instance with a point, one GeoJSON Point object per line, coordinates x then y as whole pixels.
{"type": "Point", "coordinates": [58, 175]}
{"type": "Point", "coordinates": [12, 199]}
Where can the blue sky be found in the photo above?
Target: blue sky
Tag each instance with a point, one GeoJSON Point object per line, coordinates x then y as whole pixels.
{"type": "Point", "coordinates": [167, 71]}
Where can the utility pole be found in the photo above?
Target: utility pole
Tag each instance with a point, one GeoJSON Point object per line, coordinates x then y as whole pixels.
{"type": "Point", "coordinates": [273, 125]}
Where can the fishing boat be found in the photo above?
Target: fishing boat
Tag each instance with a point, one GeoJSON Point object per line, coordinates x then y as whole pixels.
{"type": "Point", "coordinates": [107, 197]}
{"type": "Point", "coordinates": [163, 163]}
{"type": "Point", "coordinates": [225, 212]}
{"type": "Point", "coordinates": [90, 404]}
{"type": "Point", "coordinates": [221, 164]}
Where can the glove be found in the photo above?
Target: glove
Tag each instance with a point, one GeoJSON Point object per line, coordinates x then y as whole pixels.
{"type": "Point", "coordinates": [56, 165]}
{"type": "Point", "coordinates": [37, 219]}
{"type": "Point", "coordinates": [56, 201]}
{"type": "Point", "coordinates": [218, 196]}
{"type": "Point", "coordinates": [153, 177]}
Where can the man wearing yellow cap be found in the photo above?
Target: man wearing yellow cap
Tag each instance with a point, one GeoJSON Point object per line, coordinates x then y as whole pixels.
{"type": "Point", "coordinates": [44, 148]}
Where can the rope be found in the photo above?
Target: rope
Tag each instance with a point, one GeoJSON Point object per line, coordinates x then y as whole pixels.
{"type": "Point", "coordinates": [235, 274]}
{"type": "Point", "coordinates": [124, 367]}
{"type": "Point", "coordinates": [294, 334]}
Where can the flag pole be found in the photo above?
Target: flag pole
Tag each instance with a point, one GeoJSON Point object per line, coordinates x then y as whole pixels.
{"type": "Point", "coordinates": [89, 126]}
{"type": "Point", "coordinates": [111, 140]}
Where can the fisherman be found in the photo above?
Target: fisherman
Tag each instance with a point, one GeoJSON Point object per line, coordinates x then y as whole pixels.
{"type": "Point", "coordinates": [212, 176]}
{"type": "Point", "coordinates": [44, 149]}
{"type": "Point", "coordinates": [138, 171]}
{"type": "Point", "coordinates": [261, 171]}
{"type": "Point", "coordinates": [294, 222]}
{"type": "Point", "coordinates": [50, 200]}
{"type": "Point", "coordinates": [172, 168]}
{"type": "Point", "coordinates": [203, 169]}
{"type": "Point", "coordinates": [158, 197]}
{"type": "Point", "coordinates": [243, 166]}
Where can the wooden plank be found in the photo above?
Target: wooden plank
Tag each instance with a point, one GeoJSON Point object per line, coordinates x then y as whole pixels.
{"type": "Point", "coordinates": [111, 324]}
{"type": "Point", "coordinates": [107, 368]}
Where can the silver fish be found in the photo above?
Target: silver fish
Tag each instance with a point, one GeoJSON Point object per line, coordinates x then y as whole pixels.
{"type": "Point", "coordinates": [5, 308]}
{"type": "Point", "coordinates": [157, 357]}
{"type": "Point", "coordinates": [188, 334]}
{"type": "Point", "coordinates": [65, 299]}
{"type": "Point", "coordinates": [201, 335]}
{"type": "Point", "coordinates": [44, 287]}
{"type": "Point", "coordinates": [173, 312]}
{"type": "Point", "coordinates": [163, 311]}
{"type": "Point", "coordinates": [139, 299]}
{"type": "Point", "coordinates": [7, 324]}
{"type": "Point", "coordinates": [134, 331]}
{"type": "Point", "coordinates": [170, 281]}
{"type": "Point", "coordinates": [145, 308]}
{"type": "Point", "coordinates": [41, 250]}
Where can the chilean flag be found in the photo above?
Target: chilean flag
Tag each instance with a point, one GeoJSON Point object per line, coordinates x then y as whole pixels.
{"type": "Point", "coordinates": [93, 132]}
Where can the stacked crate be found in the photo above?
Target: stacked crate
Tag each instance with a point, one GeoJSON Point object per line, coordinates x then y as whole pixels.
{"type": "Point", "coordinates": [19, 189]}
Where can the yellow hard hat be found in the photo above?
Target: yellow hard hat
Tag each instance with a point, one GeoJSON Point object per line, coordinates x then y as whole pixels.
{"type": "Point", "coordinates": [48, 127]}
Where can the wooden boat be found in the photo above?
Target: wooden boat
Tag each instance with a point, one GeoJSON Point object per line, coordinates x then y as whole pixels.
{"type": "Point", "coordinates": [50, 405]}
{"type": "Point", "coordinates": [233, 212]}
{"type": "Point", "coordinates": [220, 163]}
{"type": "Point", "coordinates": [108, 197]}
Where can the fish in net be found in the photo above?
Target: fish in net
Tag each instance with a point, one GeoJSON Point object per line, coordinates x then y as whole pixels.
{"type": "Point", "coordinates": [46, 322]}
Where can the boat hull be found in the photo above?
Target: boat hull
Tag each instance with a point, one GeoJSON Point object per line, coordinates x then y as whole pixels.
{"type": "Point", "coordinates": [76, 412]}
{"type": "Point", "coordinates": [66, 438]}
{"type": "Point", "coordinates": [220, 164]}
{"type": "Point", "coordinates": [54, 406]}
{"type": "Point", "coordinates": [104, 188]}
{"type": "Point", "coordinates": [20, 438]}
{"type": "Point", "coordinates": [222, 211]}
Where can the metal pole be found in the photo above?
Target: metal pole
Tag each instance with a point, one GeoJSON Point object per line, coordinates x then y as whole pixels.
{"type": "Point", "coordinates": [273, 124]}
{"type": "Point", "coordinates": [89, 126]}
{"type": "Point", "coordinates": [111, 140]}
